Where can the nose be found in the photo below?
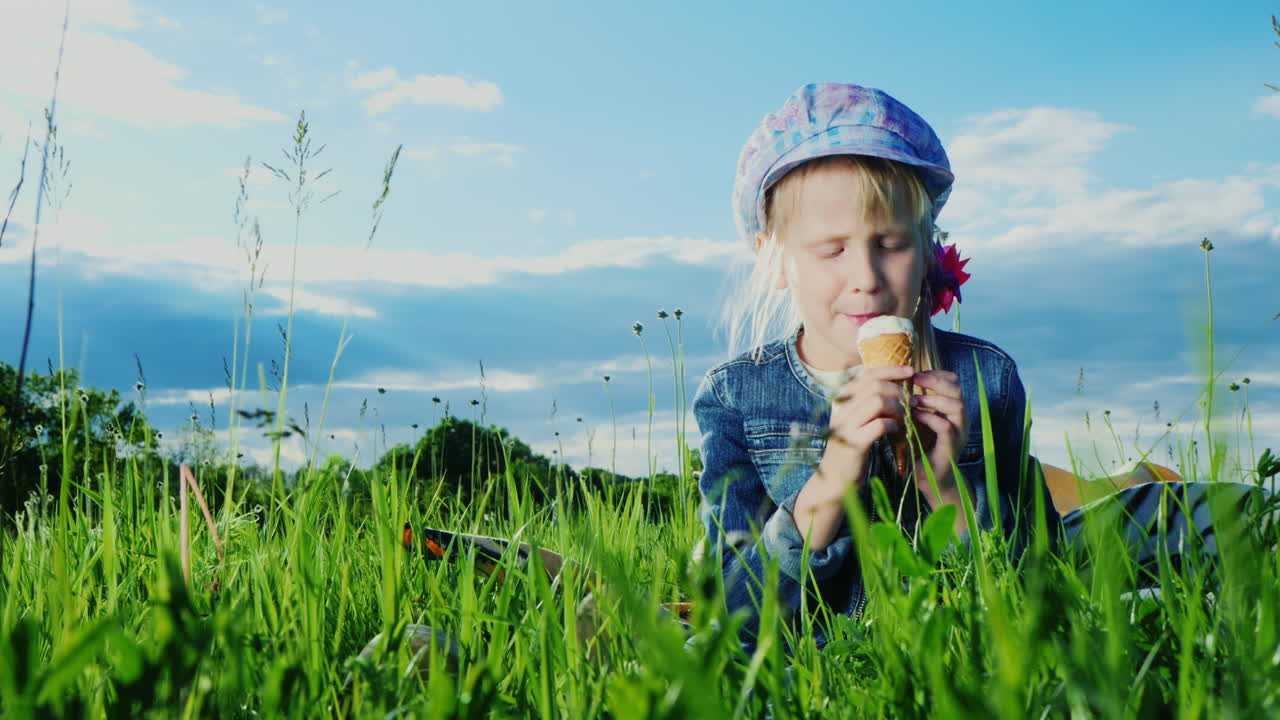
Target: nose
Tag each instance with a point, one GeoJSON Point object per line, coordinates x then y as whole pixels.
{"type": "Point", "coordinates": [861, 271]}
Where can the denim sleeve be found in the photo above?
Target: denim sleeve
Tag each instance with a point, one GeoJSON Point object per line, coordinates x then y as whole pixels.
{"type": "Point", "coordinates": [1017, 482]}
{"type": "Point", "coordinates": [736, 507]}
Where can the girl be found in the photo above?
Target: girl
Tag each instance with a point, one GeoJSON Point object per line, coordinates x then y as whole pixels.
{"type": "Point", "coordinates": [837, 194]}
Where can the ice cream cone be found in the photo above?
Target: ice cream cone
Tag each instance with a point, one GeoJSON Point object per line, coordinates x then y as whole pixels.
{"type": "Point", "coordinates": [889, 349]}
{"type": "Point", "coordinates": [888, 340]}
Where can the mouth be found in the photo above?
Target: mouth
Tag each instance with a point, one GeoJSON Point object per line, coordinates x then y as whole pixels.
{"type": "Point", "coordinates": [859, 320]}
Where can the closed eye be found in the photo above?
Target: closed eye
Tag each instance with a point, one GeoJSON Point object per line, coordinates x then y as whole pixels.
{"type": "Point", "coordinates": [893, 242]}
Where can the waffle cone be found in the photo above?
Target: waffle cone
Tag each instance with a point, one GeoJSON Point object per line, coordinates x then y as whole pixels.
{"type": "Point", "coordinates": [881, 350]}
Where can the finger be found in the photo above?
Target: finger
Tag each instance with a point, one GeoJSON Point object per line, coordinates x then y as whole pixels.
{"type": "Point", "coordinates": [944, 433]}
{"type": "Point", "coordinates": [943, 375]}
{"type": "Point", "coordinates": [942, 382]}
{"type": "Point", "coordinates": [863, 436]}
{"type": "Point", "coordinates": [874, 430]}
{"type": "Point", "coordinates": [952, 407]}
{"type": "Point", "coordinates": [897, 373]}
{"type": "Point", "coordinates": [867, 408]}
{"type": "Point", "coordinates": [939, 424]}
{"type": "Point", "coordinates": [859, 394]}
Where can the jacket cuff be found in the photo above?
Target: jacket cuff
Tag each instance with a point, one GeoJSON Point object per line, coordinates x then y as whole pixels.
{"type": "Point", "coordinates": [782, 540]}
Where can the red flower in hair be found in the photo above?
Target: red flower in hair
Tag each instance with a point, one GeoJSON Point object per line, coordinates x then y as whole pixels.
{"type": "Point", "coordinates": [947, 277]}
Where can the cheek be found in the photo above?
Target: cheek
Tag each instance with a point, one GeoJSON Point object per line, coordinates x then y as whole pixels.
{"type": "Point", "coordinates": [906, 275]}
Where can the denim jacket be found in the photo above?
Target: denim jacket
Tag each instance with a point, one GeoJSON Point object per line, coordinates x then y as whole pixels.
{"type": "Point", "coordinates": [763, 432]}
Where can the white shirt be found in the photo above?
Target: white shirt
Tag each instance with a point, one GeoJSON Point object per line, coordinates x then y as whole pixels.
{"type": "Point", "coordinates": [832, 380]}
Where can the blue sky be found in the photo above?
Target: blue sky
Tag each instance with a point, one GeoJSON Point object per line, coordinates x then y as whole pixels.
{"type": "Point", "coordinates": [566, 172]}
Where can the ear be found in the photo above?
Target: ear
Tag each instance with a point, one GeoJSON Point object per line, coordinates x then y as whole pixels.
{"type": "Point", "coordinates": [780, 279]}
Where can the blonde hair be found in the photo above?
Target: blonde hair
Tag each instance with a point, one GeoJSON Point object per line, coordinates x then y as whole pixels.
{"type": "Point", "coordinates": [757, 312]}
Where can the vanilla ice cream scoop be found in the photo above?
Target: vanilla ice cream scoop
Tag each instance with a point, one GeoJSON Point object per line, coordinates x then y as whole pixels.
{"type": "Point", "coordinates": [886, 325]}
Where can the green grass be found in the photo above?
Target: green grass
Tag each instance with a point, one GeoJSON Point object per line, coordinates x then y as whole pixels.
{"type": "Point", "coordinates": [95, 618]}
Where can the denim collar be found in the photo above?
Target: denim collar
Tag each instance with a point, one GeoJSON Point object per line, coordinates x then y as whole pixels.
{"type": "Point", "coordinates": [798, 370]}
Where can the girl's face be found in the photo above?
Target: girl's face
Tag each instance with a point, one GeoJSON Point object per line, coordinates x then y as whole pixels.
{"type": "Point", "coordinates": [842, 266]}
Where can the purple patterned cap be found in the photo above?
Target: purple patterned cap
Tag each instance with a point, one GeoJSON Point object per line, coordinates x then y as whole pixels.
{"type": "Point", "coordinates": [823, 119]}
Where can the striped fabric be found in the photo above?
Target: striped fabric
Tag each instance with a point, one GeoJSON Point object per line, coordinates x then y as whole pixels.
{"type": "Point", "coordinates": [1186, 518]}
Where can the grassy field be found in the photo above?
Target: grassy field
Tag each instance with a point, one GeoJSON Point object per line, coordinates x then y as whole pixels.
{"type": "Point", "coordinates": [97, 618]}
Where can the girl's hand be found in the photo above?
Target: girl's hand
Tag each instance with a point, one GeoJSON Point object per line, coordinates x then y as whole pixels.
{"type": "Point", "coordinates": [940, 418]}
{"type": "Point", "coordinates": [865, 409]}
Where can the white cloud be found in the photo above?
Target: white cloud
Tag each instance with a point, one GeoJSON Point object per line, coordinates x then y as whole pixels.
{"type": "Point", "coordinates": [537, 215]}
{"type": "Point", "coordinates": [111, 13]}
{"type": "Point", "coordinates": [1034, 148]}
{"type": "Point", "coordinates": [501, 153]}
{"type": "Point", "coordinates": [189, 396]}
{"type": "Point", "coordinates": [392, 90]}
{"type": "Point", "coordinates": [1025, 185]}
{"type": "Point", "coordinates": [1174, 213]}
{"type": "Point", "coordinates": [374, 79]}
{"type": "Point", "coordinates": [212, 262]}
{"type": "Point", "coordinates": [389, 379]}
{"type": "Point", "coordinates": [613, 367]}
{"type": "Point", "coordinates": [107, 75]}
{"type": "Point", "coordinates": [307, 301]}
{"type": "Point", "coordinates": [1268, 105]}
{"type": "Point", "coordinates": [1257, 378]}
{"type": "Point", "coordinates": [495, 379]}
